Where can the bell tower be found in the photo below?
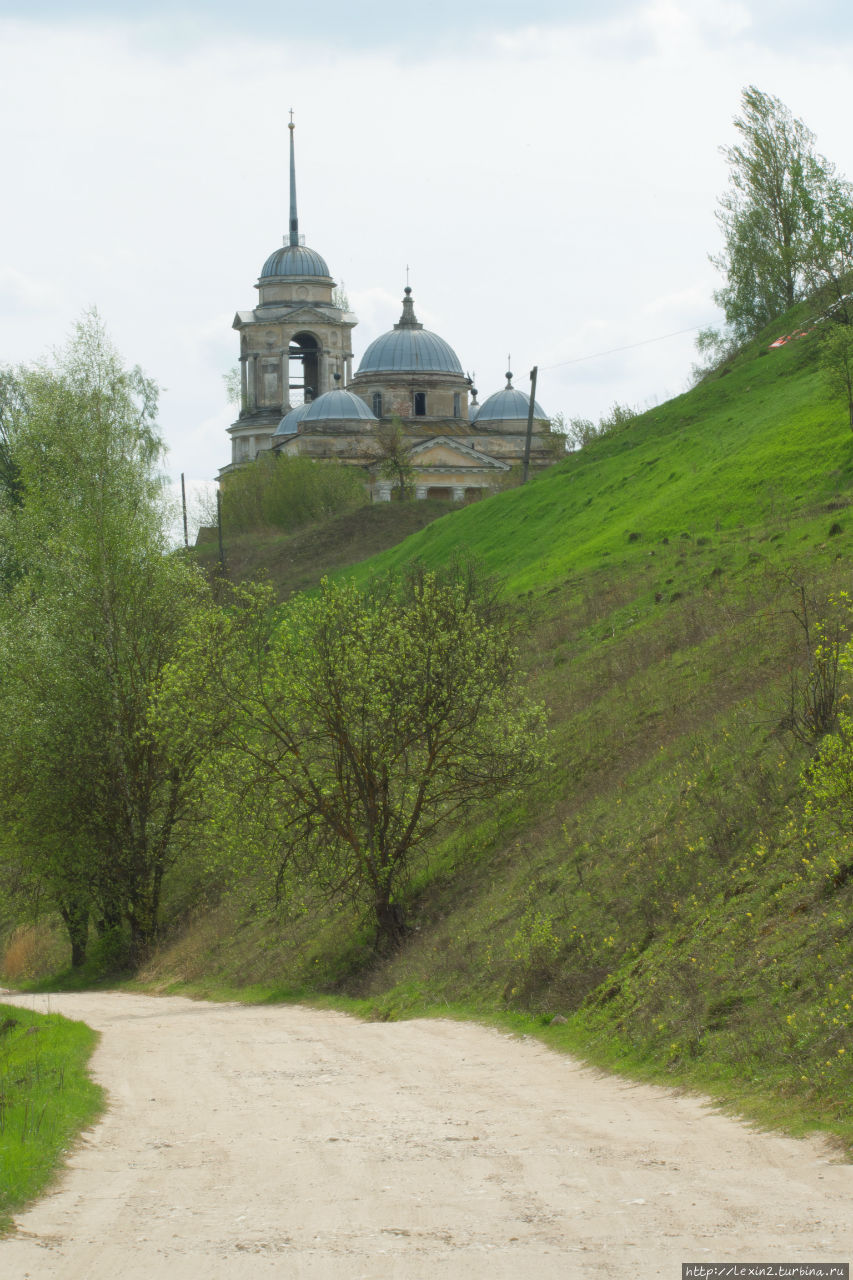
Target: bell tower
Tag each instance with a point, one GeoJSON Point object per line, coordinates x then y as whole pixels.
{"type": "Point", "coordinates": [295, 344]}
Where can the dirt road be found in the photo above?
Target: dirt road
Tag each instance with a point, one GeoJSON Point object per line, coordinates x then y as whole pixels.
{"type": "Point", "coordinates": [286, 1142]}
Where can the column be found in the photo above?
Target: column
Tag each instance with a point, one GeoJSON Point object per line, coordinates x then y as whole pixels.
{"type": "Point", "coordinates": [253, 385]}
{"type": "Point", "coordinates": [420, 492]}
{"type": "Point", "coordinates": [244, 385]}
{"type": "Point", "coordinates": [322, 371]}
{"type": "Point", "coordinates": [285, 381]}
{"type": "Point", "coordinates": [459, 493]}
{"type": "Point", "coordinates": [383, 491]}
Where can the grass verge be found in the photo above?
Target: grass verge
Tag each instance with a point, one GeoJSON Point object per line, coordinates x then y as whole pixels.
{"type": "Point", "coordinates": [46, 1099]}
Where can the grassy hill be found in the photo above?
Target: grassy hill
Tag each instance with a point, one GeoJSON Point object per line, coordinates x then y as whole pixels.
{"type": "Point", "coordinates": [296, 561]}
{"type": "Point", "coordinates": [660, 891]}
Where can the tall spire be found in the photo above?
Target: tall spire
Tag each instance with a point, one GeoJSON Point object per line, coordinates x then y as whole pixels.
{"type": "Point", "coordinates": [294, 220]}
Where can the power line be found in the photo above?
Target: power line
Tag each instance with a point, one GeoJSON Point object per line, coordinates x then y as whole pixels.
{"type": "Point", "coordinates": [630, 347]}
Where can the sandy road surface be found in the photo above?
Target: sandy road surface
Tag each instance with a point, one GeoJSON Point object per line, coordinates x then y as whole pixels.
{"type": "Point", "coordinates": [286, 1142]}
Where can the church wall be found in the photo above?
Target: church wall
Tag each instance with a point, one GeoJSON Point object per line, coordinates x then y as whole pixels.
{"type": "Point", "coordinates": [512, 427]}
{"type": "Point", "coordinates": [505, 446]}
{"type": "Point", "coordinates": [458, 478]}
{"type": "Point", "coordinates": [342, 448]}
{"type": "Point", "coordinates": [294, 292]}
{"type": "Point", "coordinates": [398, 397]}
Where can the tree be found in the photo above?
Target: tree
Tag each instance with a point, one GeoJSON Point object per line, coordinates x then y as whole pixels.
{"type": "Point", "coordinates": [362, 723]}
{"type": "Point", "coordinates": [786, 217]}
{"type": "Point", "coordinates": [11, 397]}
{"type": "Point", "coordinates": [836, 363]}
{"type": "Point", "coordinates": [94, 810]}
{"type": "Point", "coordinates": [558, 439]}
{"type": "Point", "coordinates": [284, 492]}
{"type": "Point", "coordinates": [233, 383]}
{"type": "Point", "coordinates": [830, 255]}
{"type": "Point", "coordinates": [395, 457]}
{"type": "Point", "coordinates": [577, 432]}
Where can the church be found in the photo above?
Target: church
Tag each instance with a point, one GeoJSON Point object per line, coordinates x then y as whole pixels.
{"type": "Point", "coordinates": [299, 394]}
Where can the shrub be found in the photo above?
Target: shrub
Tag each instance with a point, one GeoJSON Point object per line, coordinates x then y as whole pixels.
{"type": "Point", "coordinates": [287, 493]}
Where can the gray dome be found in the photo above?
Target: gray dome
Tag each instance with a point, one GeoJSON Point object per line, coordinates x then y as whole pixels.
{"type": "Point", "coordinates": [406, 352]}
{"type": "Point", "coordinates": [509, 405]}
{"type": "Point", "coordinates": [294, 260]}
{"type": "Point", "coordinates": [338, 404]}
{"type": "Point", "coordinates": [409, 348]}
{"type": "Point", "coordinates": [289, 424]}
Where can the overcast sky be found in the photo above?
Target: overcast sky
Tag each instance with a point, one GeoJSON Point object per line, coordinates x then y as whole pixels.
{"type": "Point", "coordinates": [550, 179]}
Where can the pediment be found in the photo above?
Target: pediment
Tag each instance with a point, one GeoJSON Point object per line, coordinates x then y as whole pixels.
{"type": "Point", "coordinates": [290, 313]}
{"type": "Point", "coordinates": [312, 315]}
{"type": "Point", "coordinates": [443, 451]}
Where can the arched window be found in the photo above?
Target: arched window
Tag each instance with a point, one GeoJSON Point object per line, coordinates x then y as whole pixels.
{"type": "Point", "coordinates": [420, 404]}
{"type": "Point", "coordinates": [304, 368]}
{"type": "Point", "coordinates": [377, 404]}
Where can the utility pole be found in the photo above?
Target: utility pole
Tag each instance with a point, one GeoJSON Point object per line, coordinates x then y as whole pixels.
{"type": "Point", "coordinates": [184, 507]}
{"type": "Point", "coordinates": [533, 373]}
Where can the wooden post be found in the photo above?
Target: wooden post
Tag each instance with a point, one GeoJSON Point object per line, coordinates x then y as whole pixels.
{"type": "Point", "coordinates": [526, 468]}
{"type": "Point", "coordinates": [184, 507]}
{"type": "Point", "coordinates": [219, 527]}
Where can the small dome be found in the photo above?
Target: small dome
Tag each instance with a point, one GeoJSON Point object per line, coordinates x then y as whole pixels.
{"type": "Point", "coordinates": [509, 405]}
{"type": "Point", "coordinates": [289, 424]}
{"type": "Point", "coordinates": [409, 348]}
{"type": "Point", "coordinates": [294, 260]}
{"type": "Point", "coordinates": [336, 405]}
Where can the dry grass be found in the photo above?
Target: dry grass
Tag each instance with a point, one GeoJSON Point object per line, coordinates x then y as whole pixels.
{"type": "Point", "coordinates": [33, 951]}
{"type": "Point", "coordinates": [297, 561]}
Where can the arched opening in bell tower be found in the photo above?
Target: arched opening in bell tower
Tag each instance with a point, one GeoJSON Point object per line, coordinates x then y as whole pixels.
{"type": "Point", "coordinates": [304, 368]}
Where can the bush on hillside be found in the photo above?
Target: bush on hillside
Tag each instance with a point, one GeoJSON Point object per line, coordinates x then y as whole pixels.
{"type": "Point", "coordinates": [580, 431]}
{"type": "Point", "coordinates": [287, 493]}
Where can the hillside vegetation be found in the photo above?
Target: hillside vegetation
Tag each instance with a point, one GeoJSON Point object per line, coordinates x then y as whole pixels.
{"type": "Point", "coordinates": [663, 890]}
{"type": "Point", "coordinates": [297, 560]}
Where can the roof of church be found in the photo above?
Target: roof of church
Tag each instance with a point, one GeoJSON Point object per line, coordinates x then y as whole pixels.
{"type": "Point", "coordinates": [409, 348]}
{"type": "Point", "coordinates": [289, 424]}
{"type": "Point", "coordinates": [508, 405]}
{"type": "Point", "coordinates": [294, 260]}
{"type": "Point", "coordinates": [338, 404]}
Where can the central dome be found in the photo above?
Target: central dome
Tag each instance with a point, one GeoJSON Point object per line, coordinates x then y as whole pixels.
{"type": "Point", "coordinates": [294, 260]}
{"type": "Point", "coordinates": [409, 348]}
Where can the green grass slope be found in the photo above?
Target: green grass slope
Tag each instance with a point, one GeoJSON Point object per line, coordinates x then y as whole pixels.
{"type": "Point", "coordinates": [46, 1099]}
{"type": "Point", "coordinates": [758, 442]}
{"type": "Point", "coordinates": [660, 891]}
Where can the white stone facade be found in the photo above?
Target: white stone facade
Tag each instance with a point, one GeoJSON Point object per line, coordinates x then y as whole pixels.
{"type": "Point", "coordinates": [296, 345]}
